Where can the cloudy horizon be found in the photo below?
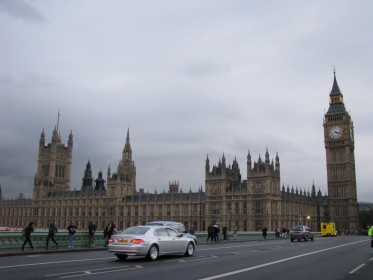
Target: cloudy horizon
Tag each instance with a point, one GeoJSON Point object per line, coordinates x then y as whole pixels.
{"type": "Point", "coordinates": [188, 79]}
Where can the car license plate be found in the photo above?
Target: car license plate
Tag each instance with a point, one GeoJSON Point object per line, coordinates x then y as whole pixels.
{"type": "Point", "coordinates": [122, 240]}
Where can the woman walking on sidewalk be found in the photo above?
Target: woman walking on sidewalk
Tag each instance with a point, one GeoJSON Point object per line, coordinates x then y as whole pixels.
{"type": "Point", "coordinates": [72, 229]}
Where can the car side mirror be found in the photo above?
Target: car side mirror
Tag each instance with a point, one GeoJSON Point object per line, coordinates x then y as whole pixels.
{"type": "Point", "coordinates": [180, 235]}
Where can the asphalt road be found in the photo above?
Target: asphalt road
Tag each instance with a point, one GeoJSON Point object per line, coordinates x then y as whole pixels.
{"type": "Point", "coordinates": [324, 258]}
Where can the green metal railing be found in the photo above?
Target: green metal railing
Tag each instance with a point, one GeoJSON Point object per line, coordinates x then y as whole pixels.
{"type": "Point", "coordinates": [14, 240]}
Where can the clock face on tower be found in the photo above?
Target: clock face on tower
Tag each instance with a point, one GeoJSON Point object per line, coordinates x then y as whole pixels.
{"type": "Point", "coordinates": [335, 132]}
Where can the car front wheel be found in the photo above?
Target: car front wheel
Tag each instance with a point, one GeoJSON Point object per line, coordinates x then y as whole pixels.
{"type": "Point", "coordinates": [190, 249]}
{"type": "Point", "coordinates": [122, 257]}
{"type": "Point", "coordinates": [153, 253]}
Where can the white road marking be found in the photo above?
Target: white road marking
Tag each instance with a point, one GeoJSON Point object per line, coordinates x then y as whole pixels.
{"type": "Point", "coordinates": [193, 259]}
{"type": "Point", "coordinates": [240, 246]}
{"type": "Point", "coordinates": [356, 269]}
{"type": "Point", "coordinates": [198, 259]}
{"type": "Point", "coordinates": [276, 262]}
{"type": "Point", "coordinates": [244, 252]}
{"type": "Point", "coordinates": [35, 264]}
{"type": "Point", "coordinates": [73, 274]}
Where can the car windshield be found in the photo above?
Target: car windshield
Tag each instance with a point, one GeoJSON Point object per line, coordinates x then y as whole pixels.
{"type": "Point", "coordinates": [136, 230]}
{"type": "Point", "coordinates": [297, 228]}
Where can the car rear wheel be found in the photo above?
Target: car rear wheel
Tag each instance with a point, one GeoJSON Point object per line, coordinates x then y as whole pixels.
{"type": "Point", "coordinates": [190, 249]}
{"type": "Point", "coordinates": [122, 257]}
{"type": "Point", "coordinates": [305, 239]}
{"type": "Point", "coordinates": [153, 253]}
{"type": "Point", "coordinates": [292, 240]}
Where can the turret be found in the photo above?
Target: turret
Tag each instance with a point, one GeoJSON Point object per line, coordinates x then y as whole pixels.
{"type": "Point", "coordinates": [70, 141]}
{"type": "Point", "coordinates": [267, 157]}
{"type": "Point", "coordinates": [56, 138]}
{"type": "Point", "coordinates": [87, 181]}
{"type": "Point", "coordinates": [207, 166]}
{"type": "Point", "coordinates": [42, 140]}
{"type": "Point", "coordinates": [277, 163]}
{"type": "Point", "coordinates": [108, 172]}
{"type": "Point", "coordinates": [313, 193]}
{"type": "Point", "coordinates": [100, 182]}
{"type": "Point", "coordinates": [248, 163]}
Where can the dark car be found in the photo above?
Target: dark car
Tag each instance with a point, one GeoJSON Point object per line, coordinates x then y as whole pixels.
{"type": "Point", "coordinates": [301, 232]}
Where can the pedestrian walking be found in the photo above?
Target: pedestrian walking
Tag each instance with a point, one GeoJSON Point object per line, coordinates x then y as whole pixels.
{"type": "Point", "coordinates": [70, 240]}
{"type": "Point", "coordinates": [210, 232]}
{"type": "Point", "coordinates": [235, 232]}
{"type": "Point", "coordinates": [91, 234]}
{"type": "Point", "coordinates": [110, 229]}
{"type": "Point", "coordinates": [225, 233]}
{"type": "Point", "coordinates": [370, 233]}
{"type": "Point", "coordinates": [216, 233]}
{"type": "Point", "coordinates": [191, 231]}
{"type": "Point", "coordinates": [264, 231]}
{"type": "Point", "coordinates": [52, 230]}
{"type": "Point", "coordinates": [27, 235]}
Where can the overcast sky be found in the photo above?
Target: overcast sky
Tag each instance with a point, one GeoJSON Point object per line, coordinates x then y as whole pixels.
{"type": "Point", "coordinates": [188, 79]}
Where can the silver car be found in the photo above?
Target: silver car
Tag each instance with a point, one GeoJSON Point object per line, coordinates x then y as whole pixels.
{"type": "Point", "coordinates": [179, 227]}
{"type": "Point", "coordinates": [150, 241]}
{"type": "Point", "coordinates": [301, 232]}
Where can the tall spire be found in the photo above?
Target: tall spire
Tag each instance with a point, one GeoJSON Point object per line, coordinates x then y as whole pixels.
{"type": "Point", "coordinates": [335, 89]}
{"type": "Point", "coordinates": [58, 119]}
{"type": "Point", "coordinates": [128, 136]}
{"type": "Point", "coordinates": [127, 152]}
{"type": "Point", "coordinates": [335, 99]}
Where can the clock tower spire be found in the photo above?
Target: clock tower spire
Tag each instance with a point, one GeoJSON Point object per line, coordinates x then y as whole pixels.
{"type": "Point", "coordinates": [340, 162]}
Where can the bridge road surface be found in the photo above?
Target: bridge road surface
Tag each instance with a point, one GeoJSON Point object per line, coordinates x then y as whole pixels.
{"type": "Point", "coordinates": [325, 258]}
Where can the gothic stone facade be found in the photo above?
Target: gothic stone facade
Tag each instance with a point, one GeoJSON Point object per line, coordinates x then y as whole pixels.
{"type": "Point", "coordinates": [248, 204]}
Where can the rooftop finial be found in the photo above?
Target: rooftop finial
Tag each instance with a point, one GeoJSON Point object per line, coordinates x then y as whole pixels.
{"type": "Point", "coordinates": [58, 118]}
{"type": "Point", "coordinates": [334, 70]}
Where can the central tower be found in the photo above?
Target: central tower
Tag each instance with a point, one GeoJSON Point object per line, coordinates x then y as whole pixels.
{"type": "Point", "coordinates": [123, 182]}
{"type": "Point", "coordinates": [340, 162]}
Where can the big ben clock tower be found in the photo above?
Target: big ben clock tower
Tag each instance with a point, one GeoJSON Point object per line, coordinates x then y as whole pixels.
{"type": "Point", "coordinates": [340, 162]}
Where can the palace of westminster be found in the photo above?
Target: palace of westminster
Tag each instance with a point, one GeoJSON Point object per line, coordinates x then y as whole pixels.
{"type": "Point", "coordinates": [249, 204]}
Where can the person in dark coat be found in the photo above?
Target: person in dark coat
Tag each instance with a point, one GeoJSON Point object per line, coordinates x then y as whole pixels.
{"type": "Point", "coordinates": [29, 229]}
{"type": "Point", "coordinates": [225, 233]}
{"type": "Point", "coordinates": [52, 230]}
{"type": "Point", "coordinates": [210, 232]}
{"type": "Point", "coordinates": [110, 229]}
{"type": "Point", "coordinates": [91, 234]}
{"type": "Point", "coordinates": [264, 230]}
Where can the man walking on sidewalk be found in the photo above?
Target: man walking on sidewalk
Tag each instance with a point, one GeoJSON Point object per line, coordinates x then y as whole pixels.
{"type": "Point", "coordinates": [51, 232]}
{"type": "Point", "coordinates": [27, 235]}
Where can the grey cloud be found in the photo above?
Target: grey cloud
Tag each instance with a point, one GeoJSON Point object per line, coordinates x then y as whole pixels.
{"type": "Point", "coordinates": [22, 10]}
{"type": "Point", "coordinates": [205, 68]}
{"type": "Point", "coordinates": [227, 79]}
